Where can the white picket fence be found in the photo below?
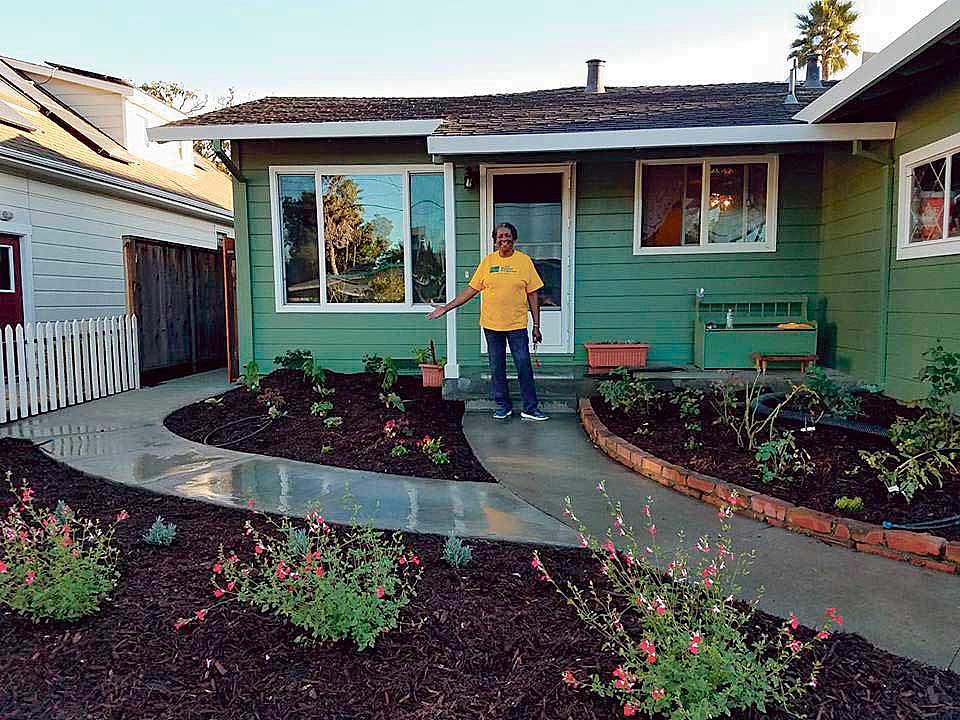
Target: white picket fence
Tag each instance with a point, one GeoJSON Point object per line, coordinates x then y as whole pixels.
{"type": "Point", "coordinates": [51, 365]}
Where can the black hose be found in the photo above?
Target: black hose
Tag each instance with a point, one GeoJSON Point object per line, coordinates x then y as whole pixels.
{"type": "Point", "coordinates": [829, 420]}
{"type": "Point", "coordinates": [266, 421]}
{"type": "Point", "coordinates": [923, 524]}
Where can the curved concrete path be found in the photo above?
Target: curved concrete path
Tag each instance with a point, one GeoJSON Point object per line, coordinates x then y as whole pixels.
{"type": "Point", "coordinates": [906, 610]}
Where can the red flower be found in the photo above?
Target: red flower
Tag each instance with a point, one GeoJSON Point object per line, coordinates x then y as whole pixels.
{"type": "Point", "coordinates": [217, 568]}
{"type": "Point", "coordinates": [796, 646]}
{"type": "Point", "coordinates": [402, 560]}
{"type": "Point", "coordinates": [831, 611]}
{"type": "Point", "coordinates": [122, 515]}
{"type": "Point", "coordinates": [27, 494]}
{"type": "Point", "coordinates": [793, 622]}
{"type": "Point", "coordinates": [318, 571]}
{"type": "Point", "coordinates": [258, 548]}
{"type": "Point", "coordinates": [201, 615]}
{"type": "Point", "coordinates": [693, 648]}
{"type": "Point", "coordinates": [415, 560]}
{"type": "Point", "coordinates": [3, 567]}
{"type": "Point", "coordinates": [629, 710]}
{"type": "Point", "coordinates": [823, 635]}
{"type": "Point", "coordinates": [250, 503]}
{"type": "Point", "coordinates": [653, 529]}
{"type": "Point", "coordinates": [380, 591]}
{"type": "Point", "coordinates": [838, 619]}
{"type": "Point", "coordinates": [282, 571]}
{"type": "Point", "coordinates": [535, 563]}
{"type": "Point", "coordinates": [230, 586]}
{"type": "Point", "coordinates": [179, 624]}
{"type": "Point", "coordinates": [658, 693]}
{"type": "Point", "coordinates": [217, 593]}
{"type": "Point", "coordinates": [569, 679]}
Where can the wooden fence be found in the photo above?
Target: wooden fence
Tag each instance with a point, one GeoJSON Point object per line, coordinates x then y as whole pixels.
{"type": "Point", "coordinates": [50, 365]}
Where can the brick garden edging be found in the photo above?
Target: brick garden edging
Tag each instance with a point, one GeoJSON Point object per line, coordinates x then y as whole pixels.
{"type": "Point", "coordinates": [917, 548]}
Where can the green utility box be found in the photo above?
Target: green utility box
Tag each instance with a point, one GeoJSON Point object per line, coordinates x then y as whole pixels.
{"type": "Point", "coordinates": [755, 330]}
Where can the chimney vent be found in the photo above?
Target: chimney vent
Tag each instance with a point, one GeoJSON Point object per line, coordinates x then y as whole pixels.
{"type": "Point", "coordinates": [595, 77]}
{"type": "Point", "coordinates": [791, 98]}
{"type": "Point", "coordinates": [813, 74]}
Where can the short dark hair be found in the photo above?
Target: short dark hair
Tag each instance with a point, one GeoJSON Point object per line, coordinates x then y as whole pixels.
{"type": "Point", "coordinates": [509, 226]}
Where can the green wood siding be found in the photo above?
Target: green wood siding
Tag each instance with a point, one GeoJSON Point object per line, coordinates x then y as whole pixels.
{"type": "Point", "coordinates": [339, 339]}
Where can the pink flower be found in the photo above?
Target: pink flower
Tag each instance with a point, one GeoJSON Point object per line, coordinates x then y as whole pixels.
{"type": "Point", "coordinates": [831, 611]}
{"type": "Point", "coordinates": [838, 619]}
{"type": "Point", "coordinates": [3, 567]}
{"type": "Point", "coordinates": [230, 586]}
{"type": "Point", "coordinates": [535, 563]}
{"type": "Point", "coordinates": [658, 693]}
{"type": "Point", "coordinates": [282, 571]}
{"type": "Point", "coordinates": [27, 494]}
{"type": "Point", "coordinates": [415, 560]}
{"type": "Point", "coordinates": [217, 593]}
{"type": "Point", "coordinates": [258, 548]}
{"type": "Point", "coordinates": [569, 679]}
{"type": "Point", "coordinates": [31, 576]}
{"type": "Point", "coordinates": [201, 615]}
{"type": "Point", "coordinates": [796, 646]}
{"type": "Point", "coordinates": [122, 515]}
{"type": "Point", "coordinates": [402, 560]}
{"type": "Point", "coordinates": [250, 503]}
{"type": "Point", "coordinates": [823, 635]}
{"type": "Point", "coordinates": [647, 646]}
{"type": "Point", "coordinates": [646, 510]}
{"type": "Point", "coordinates": [793, 622]}
{"type": "Point", "coordinates": [812, 683]}
{"type": "Point", "coordinates": [707, 583]}
{"type": "Point", "coordinates": [629, 710]}
{"type": "Point", "coordinates": [380, 591]}
{"type": "Point", "coordinates": [696, 638]}
{"type": "Point", "coordinates": [653, 530]}
{"type": "Point", "coordinates": [599, 487]}
{"type": "Point", "coordinates": [693, 648]}
{"type": "Point", "coordinates": [217, 568]}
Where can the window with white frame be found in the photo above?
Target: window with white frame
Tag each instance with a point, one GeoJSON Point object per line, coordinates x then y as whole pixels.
{"type": "Point", "coordinates": [706, 205]}
{"type": "Point", "coordinates": [929, 207]}
{"type": "Point", "coordinates": [374, 240]}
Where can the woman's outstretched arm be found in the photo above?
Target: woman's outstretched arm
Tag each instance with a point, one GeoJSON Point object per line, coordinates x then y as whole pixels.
{"type": "Point", "coordinates": [463, 297]}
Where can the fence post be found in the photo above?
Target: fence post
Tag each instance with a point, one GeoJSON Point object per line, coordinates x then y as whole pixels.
{"type": "Point", "coordinates": [14, 379]}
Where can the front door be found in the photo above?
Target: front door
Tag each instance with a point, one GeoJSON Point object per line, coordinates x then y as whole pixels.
{"type": "Point", "coordinates": [11, 285]}
{"type": "Point", "coordinates": [537, 200]}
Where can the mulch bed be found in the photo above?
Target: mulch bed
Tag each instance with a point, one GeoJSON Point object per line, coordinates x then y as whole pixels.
{"type": "Point", "coordinates": [488, 641]}
{"type": "Point", "coordinates": [833, 452]}
{"type": "Point", "coordinates": [359, 442]}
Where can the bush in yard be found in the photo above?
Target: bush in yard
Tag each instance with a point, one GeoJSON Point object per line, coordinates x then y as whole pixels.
{"type": "Point", "coordinates": [54, 565]}
{"type": "Point", "coordinates": [736, 404]}
{"type": "Point", "coordinates": [828, 396]}
{"type": "Point", "coordinates": [456, 553]}
{"type": "Point", "coordinates": [689, 403]}
{"type": "Point", "coordinates": [160, 533]}
{"type": "Point", "coordinates": [686, 649]}
{"type": "Point", "coordinates": [628, 391]}
{"type": "Point", "coordinates": [433, 449]}
{"type": "Point", "coordinates": [330, 583]}
{"type": "Point", "coordinates": [293, 359]}
{"type": "Point", "coordinates": [779, 460]}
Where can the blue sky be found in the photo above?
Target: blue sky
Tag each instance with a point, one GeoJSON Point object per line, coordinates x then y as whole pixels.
{"type": "Point", "coordinates": [287, 47]}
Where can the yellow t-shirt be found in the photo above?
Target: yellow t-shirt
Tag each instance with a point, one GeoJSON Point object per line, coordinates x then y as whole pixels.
{"type": "Point", "coordinates": [505, 283]}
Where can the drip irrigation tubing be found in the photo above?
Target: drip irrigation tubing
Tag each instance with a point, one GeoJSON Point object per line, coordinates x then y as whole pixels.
{"type": "Point", "coordinates": [266, 421]}
{"type": "Point", "coordinates": [807, 419]}
{"type": "Point", "coordinates": [924, 524]}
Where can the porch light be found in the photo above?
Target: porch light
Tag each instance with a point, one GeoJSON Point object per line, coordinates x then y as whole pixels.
{"type": "Point", "coordinates": [471, 177]}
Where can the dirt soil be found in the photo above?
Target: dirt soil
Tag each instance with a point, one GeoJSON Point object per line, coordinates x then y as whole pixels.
{"type": "Point", "coordinates": [837, 468]}
{"type": "Point", "coordinates": [358, 443]}
{"type": "Point", "coordinates": [488, 641]}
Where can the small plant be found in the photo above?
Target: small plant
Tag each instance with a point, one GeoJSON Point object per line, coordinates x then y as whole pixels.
{"type": "Point", "coordinates": [942, 373]}
{"type": "Point", "coordinates": [689, 402]}
{"type": "Point", "coordinates": [848, 504]}
{"type": "Point", "coordinates": [320, 409]}
{"type": "Point", "coordinates": [395, 428]}
{"type": "Point", "coordinates": [426, 355]}
{"type": "Point", "coordinates": [160, 533]}
{"type": "Point", "coordinates": [392, 401]}
{"type": "Point", "coordinates": [54, 565]}
{"type": "Point", "coordinates": [324, 391]}
{"type": "Point", "coordinates": [740, 413]}
{"type": "Point", "coordinates": [326, 449]}
{"type": "Point", "coordinates": [274, 403]}
{"type": "Point", "coordinates": [456, 553]}
{"type": "Point", "coordinates": [779, 460]}
{"type": "Point", "coordinates": [313, 373]}
{"type": "Point", "coordinates": [829, 396]}
{"type": "Point", "coordinates": [629, 392]}
{"type": "Point", "coordinates": [433, 449]}
{"type": "Point", "coordinates": [330, 583]}
{"type": "Point", "coordinates": [293, 359]}
{"type": "Point", "coordinates": [372, 364]}
{"type": "Point", "coordinates": [685, 647]}
{"type": "Point", "coordinates": [385, 367]}
{"type": "Point", "coordinates": [333, 421]}
{"type": "Point", "coordinates": [399, 450]}
{"type": "Point", "coordinates": [251, 377]}
{"type": "Point", "coordinates": [213, 401]}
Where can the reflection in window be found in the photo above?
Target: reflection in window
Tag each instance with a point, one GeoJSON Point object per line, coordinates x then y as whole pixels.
{"type": "Point", "coordinates": [954, 222]}
{"type": "Point", "coordinates": [671, 205]}
{"type": "Point", "coordinates": [298, 230]}
{"type": "Point", "coordinates": [927, 182]}
{"type": "Point", "coordinates": [427, 237]}
{"type": "Point", "coordinates": [363, 238]}
{"type": "Point", "coordinates": [738, 203]}
{"type": "Point", "coordinates": [6, 268]}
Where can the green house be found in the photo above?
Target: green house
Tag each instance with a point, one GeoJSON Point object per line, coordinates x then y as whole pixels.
{"type": "Point", "coordinates": [354, 214]}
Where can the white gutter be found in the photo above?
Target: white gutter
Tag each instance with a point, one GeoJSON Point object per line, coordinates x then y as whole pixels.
{"type": "Point", "coordinates": [657, 137]}
{"type": "Point", "coordinates": [280, 131]}
{"type": "Point", "coordinates": [926, 32]}
{"type": "Point", "coordinates": [117, 186]}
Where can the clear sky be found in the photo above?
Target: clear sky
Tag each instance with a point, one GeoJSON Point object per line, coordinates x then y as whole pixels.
{"type": "Point", "coordinates": [362, 47]}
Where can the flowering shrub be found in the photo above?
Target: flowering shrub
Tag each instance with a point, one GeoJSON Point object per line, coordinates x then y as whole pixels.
{"type": "Point", "coordinates": [54, 565]}
{"type": "Point", "coordinates": [331, 584]}
{"type": "Point", "coordinates": [685, 647]}
{"type": "Point", "coordinates": [433, 449]}
{"type": "Point", "coordinates": [394, 428]}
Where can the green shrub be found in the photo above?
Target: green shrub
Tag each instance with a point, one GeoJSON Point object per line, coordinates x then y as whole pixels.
{"type": "Point", "coordinates": [433, 449]}
{"type": "Point", "coordinates": [689, 402]}
{"type": "Point", "coordinates": [333, 421]}
{"type": "Point", "coordinates": [737, 408]}
{"type": "Point", "coordinates": [456, 553]}
{"type": "Point", "coordinates": [686, 648]}
{"type": "Point", "coordinates": [330, 583]}
{"type": "Point", "coordinates": [293, 359]}
{"type": "Point", "coordinates": [251, 376]}
{"type": "Point", "coordinates": [160, 533]}
{"type": "Point", "coordinates": [829, 396]}
{"type": "Point", "coordinates": [320, 409]}
{"type": "Point", "coordinates": [779, 460]}
{"type": "Point", "coordinates": [313, 373]}
{"type": "Point", "coordinates": [54, 565]}
{"type": "Point", "coordinates": [392, 401]}
{"type": "Point", "coordinates": [399, 450]}
{"type": "Point", "coordinates": [848, 504]}
{"type": "Point", "coordinates": [629, 392]}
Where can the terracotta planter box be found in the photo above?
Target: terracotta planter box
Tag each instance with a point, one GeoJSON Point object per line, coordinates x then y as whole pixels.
{"type": "Point", "coordinates": [432, 375]}
{"type": "Point", "coordinates": [604, 356]}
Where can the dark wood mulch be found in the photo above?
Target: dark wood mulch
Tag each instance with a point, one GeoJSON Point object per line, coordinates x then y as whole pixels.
{"type": "Point", "coordinates": [838, 469]}
{"type": "Point", "coordinates": [489, 641]}
{"type": "Point", "coordinates": [359, 442]}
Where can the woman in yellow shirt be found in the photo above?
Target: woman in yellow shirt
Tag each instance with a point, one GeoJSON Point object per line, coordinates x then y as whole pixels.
{"type": "Point", "coordinates": [508, 282]}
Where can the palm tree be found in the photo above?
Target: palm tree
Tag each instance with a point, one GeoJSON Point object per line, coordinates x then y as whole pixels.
{"type": "Point", "coordinates": [826, 34]}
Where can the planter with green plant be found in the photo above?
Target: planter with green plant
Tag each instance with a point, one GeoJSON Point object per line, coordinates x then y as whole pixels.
{"type": "Point", "coordinates": [430, 366]}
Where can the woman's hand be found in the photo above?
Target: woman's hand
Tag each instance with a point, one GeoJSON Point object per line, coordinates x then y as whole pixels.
{"type": "Point", "coordinates": [537, 337]}
{"type": "Point", "coordinates": [438, 312]}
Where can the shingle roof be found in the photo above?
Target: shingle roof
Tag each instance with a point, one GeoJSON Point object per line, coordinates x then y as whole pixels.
{"type": "Point", "coordinates": [540, 111]}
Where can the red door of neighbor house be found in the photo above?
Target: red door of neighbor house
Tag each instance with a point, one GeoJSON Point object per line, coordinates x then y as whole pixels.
{"type": "Point", "coordinates": [11, 286]}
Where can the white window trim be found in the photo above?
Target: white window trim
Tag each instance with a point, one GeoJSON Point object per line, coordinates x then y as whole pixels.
{"type": "Point", "coordinates": [906, 250]}
{"type": "Point", "coordinates": [282, 306]}
{"type": "Point", "coordinates": [773, 177]}
{"type": "Point", "coordinates": [13, 271]}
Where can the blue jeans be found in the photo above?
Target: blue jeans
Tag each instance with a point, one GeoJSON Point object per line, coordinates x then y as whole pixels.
{"type": "Point", "coordinates": [497, 352]}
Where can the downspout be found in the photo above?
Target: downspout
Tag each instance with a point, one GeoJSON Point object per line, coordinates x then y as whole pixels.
{"type": "Point", "coordinates": [885, 160]}
{"type": "Point", "coordinates": [244, 298]}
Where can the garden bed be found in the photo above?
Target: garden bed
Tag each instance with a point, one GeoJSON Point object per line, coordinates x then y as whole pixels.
{"type": "Point", "coordinates": [834, 454]}
{"type": "Point", "coordinates": [359, 442]}
{"type": "Point", "coordinates": [487, 641]}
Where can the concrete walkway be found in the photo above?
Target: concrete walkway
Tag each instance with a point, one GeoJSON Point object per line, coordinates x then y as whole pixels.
{"type": "Point", "coordinates": [905, 610]}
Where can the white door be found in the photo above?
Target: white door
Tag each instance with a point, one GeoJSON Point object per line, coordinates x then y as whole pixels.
{"type": "Point", "coordinates": [538, 200]}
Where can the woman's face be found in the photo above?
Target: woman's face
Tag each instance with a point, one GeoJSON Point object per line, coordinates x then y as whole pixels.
{"type": "Point", "coordinates": [504, 241]}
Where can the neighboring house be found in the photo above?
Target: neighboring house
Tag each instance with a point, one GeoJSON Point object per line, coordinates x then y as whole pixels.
{"type": "Point", "coordinates": [77, 176]}
{"type": "Point", "coordinates": [628, 198]}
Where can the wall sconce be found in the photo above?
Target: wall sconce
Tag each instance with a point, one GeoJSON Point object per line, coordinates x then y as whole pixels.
{"type": "Point", "coordinates": [471, 177]}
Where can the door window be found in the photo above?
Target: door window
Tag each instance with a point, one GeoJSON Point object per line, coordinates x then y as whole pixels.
{"type": "Point", "coordinates": [7, 283]}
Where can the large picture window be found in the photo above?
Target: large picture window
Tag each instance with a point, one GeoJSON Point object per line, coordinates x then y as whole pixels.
{"type": "Point", "coordinates": [705, 205]}
{"type": "Point", "coordinates": [929, 206]}
{"type": "Point", "coordinates": [375, 239]}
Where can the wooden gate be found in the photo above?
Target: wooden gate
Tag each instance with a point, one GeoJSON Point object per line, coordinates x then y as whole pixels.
{"type": "Point", "coordinates": [177, 292]}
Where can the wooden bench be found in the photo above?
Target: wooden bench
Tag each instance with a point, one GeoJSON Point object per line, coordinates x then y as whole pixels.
{"type": "Point", "coordinates": [760, 360]}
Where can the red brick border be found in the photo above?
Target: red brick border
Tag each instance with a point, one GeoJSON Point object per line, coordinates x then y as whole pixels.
{"type": "Point", "coordinates": [922, 549]}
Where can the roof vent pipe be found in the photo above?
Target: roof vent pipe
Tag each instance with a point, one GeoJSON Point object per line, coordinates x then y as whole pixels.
{"type": "Point", "coordinates": [791, 98]}
{"type": "Point", "coordinates": [595, 77]}
{"type": "Point", "coordinates": [813, 74]}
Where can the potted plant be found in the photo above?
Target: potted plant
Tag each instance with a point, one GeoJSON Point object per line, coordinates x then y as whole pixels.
{"type": "Point", "coordinates": [609, 354]}
{"type": "Point", "coordinates": [430, 366]}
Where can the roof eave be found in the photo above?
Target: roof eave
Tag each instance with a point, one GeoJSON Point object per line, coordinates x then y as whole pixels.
{"type": "Point", "coordinates": [289, 131]}
{"type": "Point", "coordinates": [657, 137]}
{"type": "Point", "coordinates": [918, 38]}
